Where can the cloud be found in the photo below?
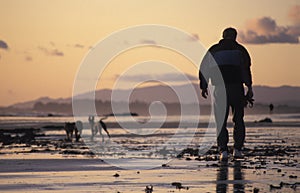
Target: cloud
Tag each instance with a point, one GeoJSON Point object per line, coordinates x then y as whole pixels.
{"type": "Point", "coordinates": [79, 46]}
{"type": "Point", "coordinates": [265, 30]}
{"type": "Point", "coordinates": [151, 42]}
{"type": "Point", "coordinates": [52, 43]}
{"type": "Point", "coordinates": [294, 30]}
{"type": "Point", "coordinates": [3, 45]}
{"type": "Point", "coordinates": [28, 58]}
{"type": "Point", "coordinates": [193, 37]}
{"type": "Point", "coordinates": [51, 52]}
{"type": "Point", "coordinates": [167, 77]}
{"type": "Point", "coordinates": [148, 42]}
{"type": "Point", "coordinates": [56, 52]}
{"type": "Point", "coordinates": [10, 92]}
{"type": "Point", "coordinates": [294, 14]}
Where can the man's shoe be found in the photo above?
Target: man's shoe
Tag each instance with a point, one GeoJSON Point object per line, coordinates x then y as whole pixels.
{"type": "Point", "coordinates": [224, 156]}
{"type": "Point", "coordinates": [237, 153]}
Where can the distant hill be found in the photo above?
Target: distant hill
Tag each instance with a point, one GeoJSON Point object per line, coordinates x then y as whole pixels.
{"type": "Point", "coordinates": [284, 95]}
{"type": "Point", "coordinates": [30, 104]}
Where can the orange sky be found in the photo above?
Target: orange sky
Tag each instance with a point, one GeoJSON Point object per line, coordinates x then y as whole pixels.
{"type": "Point", "coordinates": [47, 40]}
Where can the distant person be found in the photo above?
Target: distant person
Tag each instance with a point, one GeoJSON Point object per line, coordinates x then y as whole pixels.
{"type": "Point", "coordinates": [92, 124]}
{"type": "Point", "coordinates": [234, 62]}
{"type": "Point", "coordinates": [271, 108]}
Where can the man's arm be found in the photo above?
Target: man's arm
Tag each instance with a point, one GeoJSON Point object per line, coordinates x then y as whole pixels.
{"type": "Point", "coordinates": [247, 76]}
{"type": "Point", "coordinates": [203, 74]}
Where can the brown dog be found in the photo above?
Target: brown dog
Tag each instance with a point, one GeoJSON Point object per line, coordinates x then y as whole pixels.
{"type": "Point", "coordinates": [70, 128]}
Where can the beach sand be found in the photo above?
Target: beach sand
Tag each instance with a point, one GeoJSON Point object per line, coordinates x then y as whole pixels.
{"type": "Point", "coordinates": [50, 164]}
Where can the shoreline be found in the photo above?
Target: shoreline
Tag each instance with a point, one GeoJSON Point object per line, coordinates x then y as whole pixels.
{"type": "Point", "coordinates": [169, 124]}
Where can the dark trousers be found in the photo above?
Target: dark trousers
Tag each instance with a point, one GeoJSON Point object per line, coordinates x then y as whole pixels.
{"type": "Point", "coordinates": [230, 96]}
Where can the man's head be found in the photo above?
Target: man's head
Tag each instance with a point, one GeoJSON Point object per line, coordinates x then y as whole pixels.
{"type": "Point", "coordinates": [230, 33]}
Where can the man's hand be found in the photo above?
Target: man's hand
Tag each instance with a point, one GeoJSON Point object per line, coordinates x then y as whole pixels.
{"type": "Point", "coordinates": [204, 93]}
{"type": "Point", "coordinates": [249, 98]}
{"type": "Point", "coordinates": [250, 93]}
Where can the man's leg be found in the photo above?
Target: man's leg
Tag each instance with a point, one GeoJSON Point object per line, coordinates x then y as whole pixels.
{"type": "Point", "coordinates": [222, 133]}
{"type": "Point", "coordinates": [221, 111]}
{"type": "Point", "coordinates": [239, 128]}
{"type": "Point", "coordinates": [238, 118]}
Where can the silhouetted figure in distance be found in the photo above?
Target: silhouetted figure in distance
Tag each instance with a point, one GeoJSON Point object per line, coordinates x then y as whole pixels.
{"type": "Point", "coordinates": [92, 125]}
{"type": "Point", "coordinates": [271, 108]}
{"type": "Point", "coordinates": [233, 61]}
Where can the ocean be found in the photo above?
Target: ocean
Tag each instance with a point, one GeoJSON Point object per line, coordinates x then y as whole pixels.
{"type": "Point", "coordinates": [28, 121]}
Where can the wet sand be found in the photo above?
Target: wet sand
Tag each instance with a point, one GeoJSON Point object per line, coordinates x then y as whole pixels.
{"type": "Point", "coordinates": [48, 163]}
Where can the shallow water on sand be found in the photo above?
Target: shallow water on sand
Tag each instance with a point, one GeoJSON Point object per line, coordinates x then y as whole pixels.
{"type": "Point", "coordinates": [21, 121]}
{"type": "Point", "coordinates": [50, 164]}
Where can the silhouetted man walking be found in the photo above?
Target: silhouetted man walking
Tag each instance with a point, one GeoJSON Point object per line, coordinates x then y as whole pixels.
{"type": "Point", "coordinates": [233, 62]}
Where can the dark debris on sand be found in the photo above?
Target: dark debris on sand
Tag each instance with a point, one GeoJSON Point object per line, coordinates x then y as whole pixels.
{"type": "Point", "coordinates": [18, 136]}
{"type": "Point", "coordinates": [33, 140]}
{"type": "Point", "coordinates": [262, 159]}
{"type": "Point", "coordinates": [179, 186]}
{"type": "Point", "coordinates": [282, 152]}
{"type": "Point", "coordinates": [285, 184]}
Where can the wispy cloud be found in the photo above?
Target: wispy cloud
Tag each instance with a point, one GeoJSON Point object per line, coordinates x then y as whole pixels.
{"type": "Point", "coordinates": [52, 43]}
{"type": "Point", "coordinates": [294, 14]}
{"type": "Point", "coordinates": [51, 52]}
{"type": "Point", "coordinates": [10, 92]}
{"type": "Point", "coordinates": [193, 37]}
{"type": "Point", "coordinates": [167, 77]}
{"type": "Point", "coordinates": [79, 46]}
{"type": "Point", "coordinates": [3, 45]}
{"type": "Point", "coordinates": [28, 58]}
{"type": "Point", "coordinates": [148, 42]}
{"type": "Point", "coordinates": [266, 30]}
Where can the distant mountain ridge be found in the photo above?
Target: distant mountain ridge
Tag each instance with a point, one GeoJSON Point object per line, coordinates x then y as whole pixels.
{"type": "Point", "coordinates": [283, 95]}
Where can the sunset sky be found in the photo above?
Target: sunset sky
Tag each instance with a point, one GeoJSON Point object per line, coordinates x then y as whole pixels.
{"type": "Point", "coordinates": [42, 42]}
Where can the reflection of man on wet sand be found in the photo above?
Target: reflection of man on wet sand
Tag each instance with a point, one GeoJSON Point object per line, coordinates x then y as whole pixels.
{"type": "Point", "coordinates": [222, 178]}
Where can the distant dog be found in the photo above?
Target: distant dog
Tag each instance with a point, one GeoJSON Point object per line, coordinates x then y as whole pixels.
{"type": "Point", "coordinates": [70, 128]}
{"type": "Point", "coordinates": [79, 126]}
{"type": "Point", "coordinates": [101, 125]}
